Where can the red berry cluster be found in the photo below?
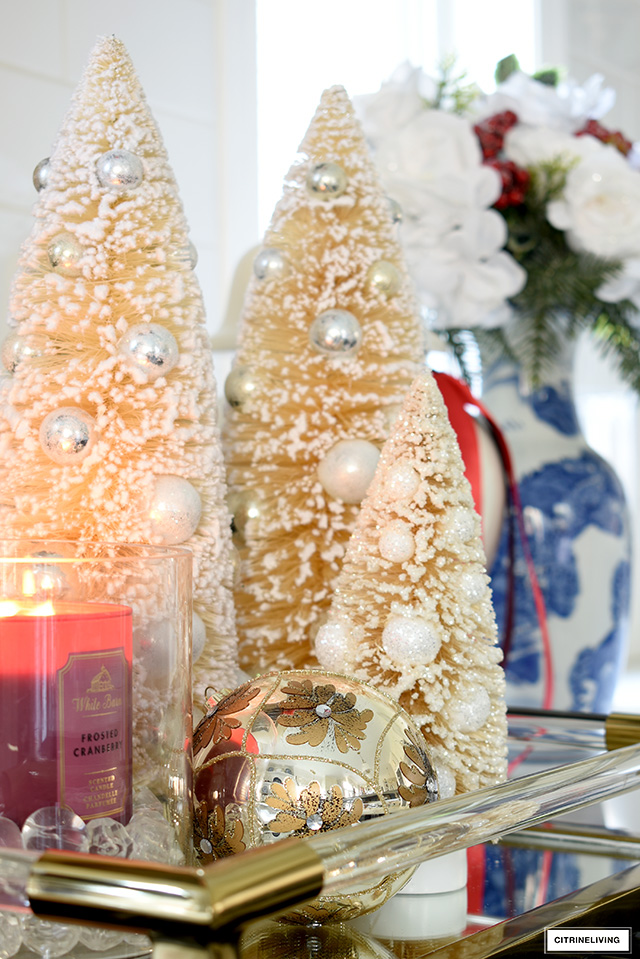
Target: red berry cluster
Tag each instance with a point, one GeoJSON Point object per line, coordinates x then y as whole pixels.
{"type": "Point", "coordinates": [515, 179]}
{"type": "Point", "coordinates": [613, 137]}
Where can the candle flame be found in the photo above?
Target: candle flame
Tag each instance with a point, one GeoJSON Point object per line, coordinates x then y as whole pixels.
{"type": "Point", "coordinates": [9, 607]}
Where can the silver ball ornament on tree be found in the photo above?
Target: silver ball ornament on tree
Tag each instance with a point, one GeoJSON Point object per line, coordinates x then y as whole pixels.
{"type": "Point", "coordinates": [244, 506]}
{"type": "Point", "coordinates": [336, 333]}
{"type": "Point", "coordinates": [326, 181]}
{"type": "Point", "coordinates": [292, 754]}
{"type": "Point", "coordinates": [347, 469]}
{"type": "Point", "coordinates": [186, 255]}
{"type": "Point", "coordinates": [270, 264]}
{"type": "Point", "coordinates": [239, 386]}
{"type": "Point", "coordinates": [119, 170]}
{"type": "Point", "coordinates": [149, 348]}
{"type": "Point", "coordinates": [15, 349]}
{"type": "Point", "coordinates": [65, 254]}
{"type": "Point", "coordinates": [41, 174]}
{"type": "Point", "coordinates": [175, 509]}
{"type": "Point", "coordinates": [397, 214]}
{"type": "Point", "coordinates": [383, 277]}
{"type": "Point", "coordinates": [67, 435]}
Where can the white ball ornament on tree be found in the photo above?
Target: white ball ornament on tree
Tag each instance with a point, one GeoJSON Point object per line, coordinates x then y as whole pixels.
{"type": "Point", "coordinates": [473, 585]}
{"type": "Point", "coordinates": [150, 349]}
{"type": "Point", "coordinates": [326, 181]}
{"type": "Point", "coordinates": [175, 509]}
{"type": "Point", "coordinates": [119, 170]}
{"type": "Point", "coordinates": [402, 481]}
{"type": "Point", "coordinates": [469, 707]}
{"type": "Point", "coordinates": [347, 469]}
{"type": "Point", "coordinates": [383, 277]}
{"type": "Point", "coordinates": [67, 435]}
{"type": "Point", "coordinates": [41, 174]}
{"type": "Point", "coordinates": [410, 639]}
{"type": "Point", "coordinates": [65, 254]}
{"type": "Point", "coordinates": [336, 333]}
{"type": "Point", "coordinates": [331, 643]}
{"type": "Point", "coordinates": [270, 264]}
{"type": "Point", "coordinates": [397, 542]}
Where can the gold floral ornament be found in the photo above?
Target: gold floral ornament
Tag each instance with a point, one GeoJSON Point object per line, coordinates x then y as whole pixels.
{"type": "Point", "coordinates": [214, 836]}
{"type": "Point", "coordinates": [319, 710]}
{"type": "Point", "coordinates": [220, 723]}
{"type": "Point", "coordinates": [424, 785]}
{"type": "Point", "coordinates": [310, 812]}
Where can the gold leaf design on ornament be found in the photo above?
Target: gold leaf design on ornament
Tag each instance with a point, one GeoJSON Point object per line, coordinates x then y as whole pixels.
{"type": "Point", "coordinates": [311, 811]}
{"type": "Point", "coordinates": [215, 837]}
{"type": "Point", "coordinates": [220, 722]}
{"type": "Point", "coordinates": [423, 788]}
{"type": "Point", "coordinates": [316, 710]}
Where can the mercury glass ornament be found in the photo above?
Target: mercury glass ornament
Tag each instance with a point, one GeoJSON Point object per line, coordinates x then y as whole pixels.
{"type": "Point", "coordinates": [65, 254]}
{"type": "Point", "coordinates": [397, 215]}
{"type": "Point", "coordinates": [347, 469]}
{"type": "Point", "coordinates": [304, 752]}
{"type": "Point", "coordinates": [186, 254]}
{"type": "Point", "coordinates": [383, 277]}
{"type": "Point", "coordinates": [239, 386]}
{"type": "Point", "coordinates": [336, 333]}
{"type": "Point", "coordinates": [15, 349]}
{"type": "Point", "coordinates": [175, 509]}
{"type": "Point", "coordinates": [326, 181]}
{"type": "Point", "coordinates": [149, 348]}
{"type": "Point", "coordinates": [270, 264]}
{"type": "Point", "coordinates": [41, 174]}
{"type": "Point", "coordinates": [67, 435]}
{"type": "Point", "coordinates": [119, 170]}
{"type": "Point", "coordinates": [244, 505]}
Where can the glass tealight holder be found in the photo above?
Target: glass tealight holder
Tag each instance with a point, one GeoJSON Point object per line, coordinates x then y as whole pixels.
{"type": "Point", "coordinates": [95, 707]}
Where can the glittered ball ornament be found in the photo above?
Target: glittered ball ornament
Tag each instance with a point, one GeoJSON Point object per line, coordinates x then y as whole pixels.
{"type": "Point", "coordinates": [411, 639]}
{"type": "Point", "coordinates": [347, 469]}
{"type": "Point", "coordinates": [239, 386]}
{"type": "Point", "coordinates": [384, 278]}
{"type": "Point", "coordinates": [67, 435]}
{"type": "Point", "coordinates": [150, 349]}
{"type": "Point", "coordinates": [175, 509]}
{"type": "Point", "coordinates": [65, 254]}
{"type": "Point", "coordinates": [293, 754]}
{"type": "Point", "coordinates": [336, 333]}
{"type": "Point", "coordinates": [41, 174]}
{"type": "Point", "coordinates": [270, 264]}
{"type": "Point", "coordinates": [326, 181]}
{"type": "Point", "coordinates": [119, 170]}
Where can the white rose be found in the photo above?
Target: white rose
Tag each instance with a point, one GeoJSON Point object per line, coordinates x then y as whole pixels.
{"type": "Point", "coordinates": [529, 146]}
{"type": "Point", "coordinates": [625, 286]}
{"type": "Point", "coordinates": [565, 107]}
{"type": "Point", "coordinates": [398, 101]}
{"type": "Point", "coordinates": [600, 208]}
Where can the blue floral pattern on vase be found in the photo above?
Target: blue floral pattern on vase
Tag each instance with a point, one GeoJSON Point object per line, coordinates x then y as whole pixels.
{"type": "Point", "coordinates": [577, 527]}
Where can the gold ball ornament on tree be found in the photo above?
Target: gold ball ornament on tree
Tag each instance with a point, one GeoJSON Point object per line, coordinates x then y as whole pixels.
{"type": "Point", "coordinates": [239, 386]}
{"type": "Point", "coordinates": [303, 752]}
{"type": "Point", "coordinates": [384, 278]}
{"type": "Point", "coordinates": [326, 181]}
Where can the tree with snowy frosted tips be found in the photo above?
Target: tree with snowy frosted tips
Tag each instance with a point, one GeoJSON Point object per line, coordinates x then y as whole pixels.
{"type": "Point", "coordinates": [109, 429]}
{"type": "Point", "coordinates": [412, 612]}
{"type": "Point", "coordinates": [329, 343]}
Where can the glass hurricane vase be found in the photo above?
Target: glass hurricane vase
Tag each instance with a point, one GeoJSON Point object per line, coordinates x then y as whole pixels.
{"type": "Point", "coordinates": [577, 528]}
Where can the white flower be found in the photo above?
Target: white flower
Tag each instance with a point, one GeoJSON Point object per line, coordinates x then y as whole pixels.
{"type": "Point", "coordinates": [600, 208]}
{"type": "Point", "coordinates": [565, 107]}
{"type": "Point", "coordinates": [530, 146]}
{"type": "Point", "coordinates": [399, 100]}
{"type": "Point", "coordinates": [626, 286]}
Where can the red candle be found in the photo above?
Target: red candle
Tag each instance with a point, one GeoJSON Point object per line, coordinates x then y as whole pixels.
{"type": "Point", "coordinates": [65, 708]}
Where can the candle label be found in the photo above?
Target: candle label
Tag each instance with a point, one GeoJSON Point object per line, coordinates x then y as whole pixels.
{"type": "Point", "coordinates": [94, 733]}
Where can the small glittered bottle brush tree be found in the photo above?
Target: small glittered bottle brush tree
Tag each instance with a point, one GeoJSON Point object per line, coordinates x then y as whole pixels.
{"type": "Point", "coordinates": [329, 344]}
{"type": "Point", "coordinates": [412, 610]}
{"type": "Point", "coordinates": [109, 429]}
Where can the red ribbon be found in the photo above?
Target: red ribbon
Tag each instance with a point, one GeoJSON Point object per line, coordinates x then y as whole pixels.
{"type": "Point", "coordinates": [458, 398]}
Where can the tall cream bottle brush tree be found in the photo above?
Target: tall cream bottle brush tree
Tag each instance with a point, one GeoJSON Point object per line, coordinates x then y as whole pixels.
{"type": "Point", "coordinates": [109, 428]}
{"type": "Point", "coordinates": [412, 610]}
{"type": "Point", "coordinates": [329, 344]}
